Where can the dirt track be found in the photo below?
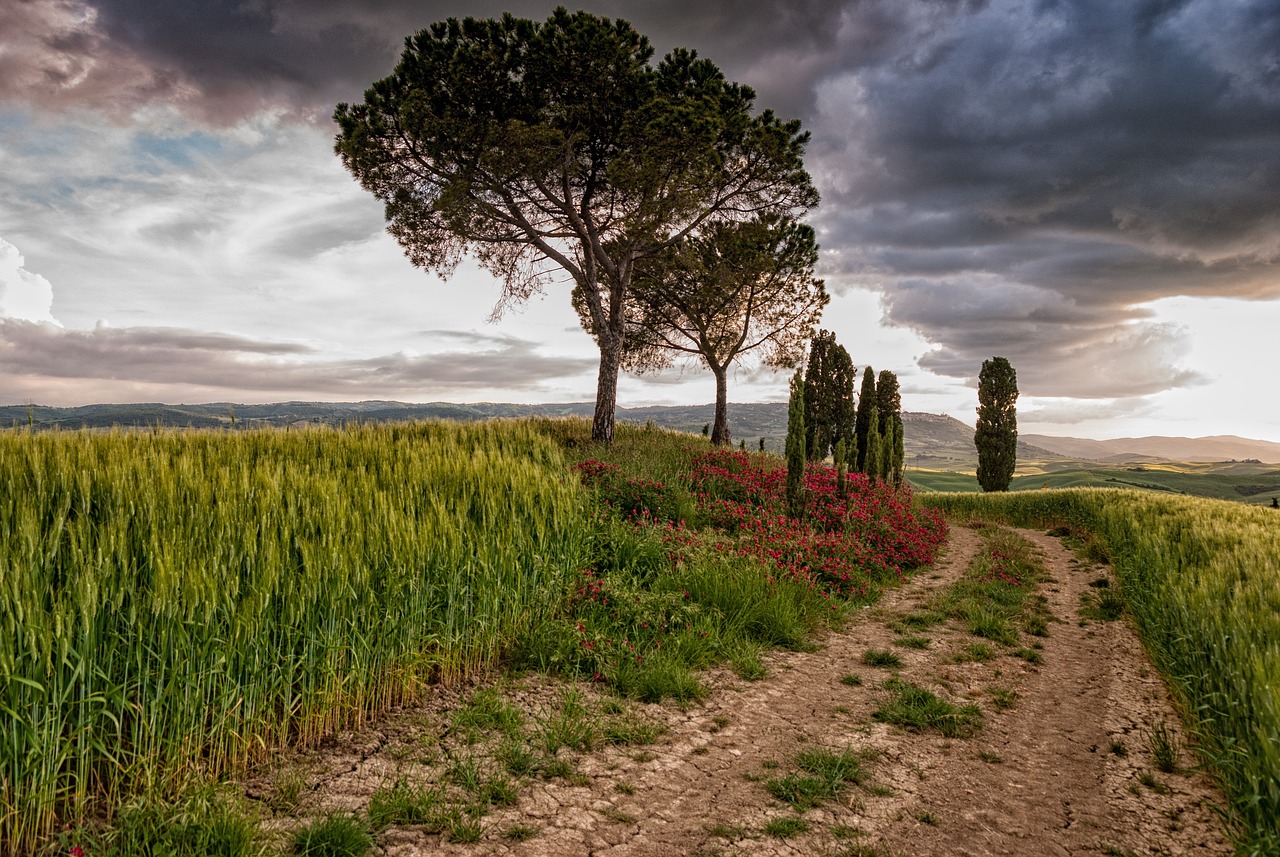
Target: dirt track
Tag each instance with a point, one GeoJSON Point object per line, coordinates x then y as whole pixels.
{"type": "Point", "coordinates": [1058, 772]}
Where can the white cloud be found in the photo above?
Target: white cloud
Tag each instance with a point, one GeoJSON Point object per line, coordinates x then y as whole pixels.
{"type": "Point", "coordinates": [23, 294]}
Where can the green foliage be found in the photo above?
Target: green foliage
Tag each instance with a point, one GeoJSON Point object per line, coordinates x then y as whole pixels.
{"type": "Point", "coordinates": [333, 836]}
{"type": "Point", "coordinates": [842, 469]}
{"type": "Point", "coordinates": [733, 288]}
{"type": "Point", "coordinates": [1197, 577]}
{"type": "Point", "coordinates": [1164, 747]}
{"type": "Point", "coordinates": [828, 397]}
{"type": "Point", "coordinates": [402, 803]}
{"type": "Point", "coordinates": [172, 595]}
{"type": "Point", "coordinates": [914, 707]}
{"type": "Point", "coordinates": [994, 596]}
{"type": "Point", "coordinates": [795, 447]}
{"type": "Point", "coordinates": [822, 776]}
{"type": "Point", "coordinates": [504, 138]}
{"type": "Point", "coordinates": [881, 658]}
{"type": "Point", "coordinates": [997, 433]}
{"type": "Point", "coordinates": [205, 822]}
{"type": "Point", "coordinates": [865, 420]}
{"type": "Point", "coordinates": [889, 414]}
{"type": "Point", "coordinates": [873, 458]}
{"type": "Point", "coordinates": [786, 827]}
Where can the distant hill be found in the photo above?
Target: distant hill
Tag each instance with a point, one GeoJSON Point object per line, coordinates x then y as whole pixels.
{"type": "Point", "coordinates": [1131, 449]}
{"type": "Point", "coordinates": [932, 441]}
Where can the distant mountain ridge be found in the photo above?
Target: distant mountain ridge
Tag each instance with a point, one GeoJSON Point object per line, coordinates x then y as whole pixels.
{"type": "Point", "coordinates": [931, 440]}
{"type": "Point", "coordinates": [1210, 448]}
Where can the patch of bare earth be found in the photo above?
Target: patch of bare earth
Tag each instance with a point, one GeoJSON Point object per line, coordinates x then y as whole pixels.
{"type": "Point", "coordinates": [1061, 766]}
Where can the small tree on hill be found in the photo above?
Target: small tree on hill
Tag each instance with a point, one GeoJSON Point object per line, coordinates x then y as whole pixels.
{"type": "Point", "coordinates": [862, 428]}
{"type": "Point", "coordinates": [997, 433]}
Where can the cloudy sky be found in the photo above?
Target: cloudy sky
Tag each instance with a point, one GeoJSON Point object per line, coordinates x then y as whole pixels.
{"type": "Point", "coordinates": [1090, 188]}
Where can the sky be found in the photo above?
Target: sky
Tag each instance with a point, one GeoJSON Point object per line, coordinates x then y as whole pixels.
{"type": "Point", "coordinates": [1090, 188]}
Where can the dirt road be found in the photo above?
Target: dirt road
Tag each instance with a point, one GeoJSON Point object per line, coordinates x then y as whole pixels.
{"type": "Point", "coordinates": [1062, 764]}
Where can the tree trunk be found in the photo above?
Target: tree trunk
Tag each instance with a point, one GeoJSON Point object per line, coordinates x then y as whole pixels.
{"type": "Point", "coordinates": [606, 389]}
{"type": "Point", "coordinates": [720, 428]}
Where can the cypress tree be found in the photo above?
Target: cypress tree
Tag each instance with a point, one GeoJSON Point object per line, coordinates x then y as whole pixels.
{"type": "Point", "coordinates": [899, 451]}
{"type": "Point", "coordinates": [828, 395]}
{"type": "Point", "coordinates": [873, 462]}
{"type": "Point", "coordinates": [889, 403]}
{"type": "Point", "coordinates": [795, 447]}
{"type": "Point", "coordinates": [866, 404]}
{"type": "Point", "coordinates": [997, 434]}
{"type": "Point", "coordinates": [817, 382]}
{"type": "Point", "coordinates": [843, 411]}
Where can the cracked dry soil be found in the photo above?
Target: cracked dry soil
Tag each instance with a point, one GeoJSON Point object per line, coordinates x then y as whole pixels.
{"type": "Point", "coordinates": [1061, 766]}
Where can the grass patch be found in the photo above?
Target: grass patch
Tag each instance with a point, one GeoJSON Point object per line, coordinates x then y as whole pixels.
{"type": "Point", "coordinates": [487, 710]}
{"type": "Point", "coordinates": [912, 642]}
{"type": "Point", "coordinates": [1164, 748]}
{"type": "Point", "coordinates": [786, 827]}
{"type": "Point", "coordinates": [974, 653]}
{"type": "Point", "coordinates": [821, 776]}
{"type": "Point", "coordinates": [881, 658]}
{"type": "Point", "coordinates": [851, 680]}
{"type": "Point", "coordinates": [1102, 605]}
{"type": "Point", "coordinates": [1002, 699]}
{"type": "Point", "coordinates": [914, 707]}
{"type": "Point", "coordinates": [406, 804]}
{"type": "Point", "coordinates": [332, 836]}
{"type": "Point", "coordinates": [519, 833]}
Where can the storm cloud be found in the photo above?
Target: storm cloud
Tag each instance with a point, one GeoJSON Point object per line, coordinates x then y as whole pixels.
{"type": "Point", "coordinates": [1015, 177]}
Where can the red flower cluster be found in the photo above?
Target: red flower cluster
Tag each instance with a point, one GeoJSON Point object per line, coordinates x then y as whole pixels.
{"type": "Point", "coordinates": [843, 544]}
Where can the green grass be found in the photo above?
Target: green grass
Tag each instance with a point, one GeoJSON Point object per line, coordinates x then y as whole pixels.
{"type": "Point", "coordinates": [1198, 578]}
{"type": "Point", "coordinates": [995, 597]}
{"type": "Point", "coordinates": [912, 642]}
{"type": "Point", "coordinates": [402, 803]}
{"type": "Point", "coordinates": [333, 836]}
{"type": "Point", "coordinates": [486, 710]}
{"type": "Point", "coordinates": [914, 707]}
{"type": "Point", "coordinates": [822, 776]}
{"type": "Point", "coordinates": [179, 594]}
{"type": "Point", "coordinates": [786, 827]}
{"type": "Point", "coordinates": [179, 604]}
{"type": "Point", "coordinates": [881, 658]}
{"type": "Point", "coordinates": [1164, 748]}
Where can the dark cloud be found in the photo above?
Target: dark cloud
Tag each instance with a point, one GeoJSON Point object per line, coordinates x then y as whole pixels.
{"type": "Point", "coordinates": [32, 355]}
{"type": "Point", "coordinates": [1016, 176]}
{"type": "Point", "coordinates": [1018, 179]}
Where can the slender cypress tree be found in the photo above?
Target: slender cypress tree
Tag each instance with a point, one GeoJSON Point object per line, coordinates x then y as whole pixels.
{"type": "Point", "coordinates": [889, 402]}
{"type": "Point", "coordinates": [866, 404]}
{"type": "Point", "coordinates": [795, 447]}
{"type": "Point", "coordinates": [899, 451]}
{"type": "Point", "coordinates": [873, 462]}
{"type": "Point", "coordinates": [997, 434]}
{"type": "Point", "coordinates": [843, 410]}
{"type": "Point", "coordinates": [817, 396]}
